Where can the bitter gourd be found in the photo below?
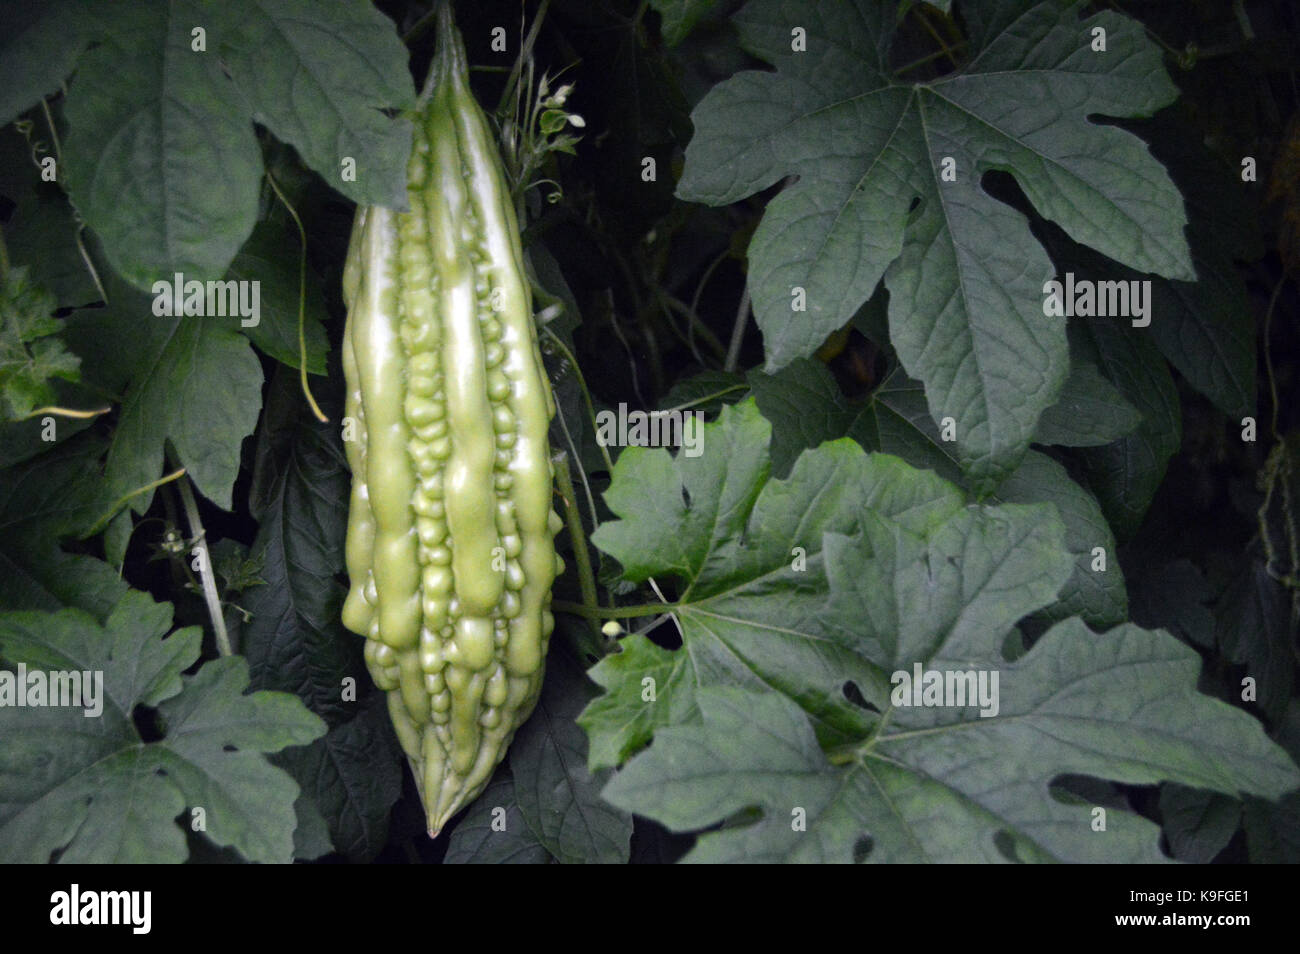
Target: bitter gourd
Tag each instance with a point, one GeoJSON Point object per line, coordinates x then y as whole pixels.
{"type": "Point", "coordinates": [450, 541]}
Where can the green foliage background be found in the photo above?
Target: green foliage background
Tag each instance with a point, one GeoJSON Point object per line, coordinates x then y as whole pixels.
{"type": "Point", "coordinates": [829, 535]}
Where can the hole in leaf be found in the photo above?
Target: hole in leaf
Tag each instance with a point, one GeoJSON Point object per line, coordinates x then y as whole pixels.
{"type": "Point", "coordinates": [1003, 186]}
{"type": "Point", "coordinates": [665, 635]}
{"type": "Point", "coordinates": [862, 848]}
{"type": "Point", "coordinates": [854, 695]}
{"type": "Point", "coordinates": [1086, 790]}
{"type": "Point", "coordinates": [148, 722]}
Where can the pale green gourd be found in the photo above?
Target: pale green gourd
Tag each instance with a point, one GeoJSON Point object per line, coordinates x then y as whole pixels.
{"type": "Point", "coordinates": [450, 529]}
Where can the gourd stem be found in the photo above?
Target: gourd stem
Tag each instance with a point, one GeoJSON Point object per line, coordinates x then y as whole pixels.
{"type": "Point", "coordinates": [449, 59]}
{"type": "Point", "coordinates": [450, 64]}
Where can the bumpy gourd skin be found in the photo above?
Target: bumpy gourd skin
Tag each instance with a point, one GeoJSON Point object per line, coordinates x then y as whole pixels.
{"type": "Point", "coordinates": [450, 528]}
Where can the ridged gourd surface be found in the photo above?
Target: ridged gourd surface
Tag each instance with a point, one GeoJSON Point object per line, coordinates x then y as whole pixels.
{"type": "Point", "coordinates": [450, 544]}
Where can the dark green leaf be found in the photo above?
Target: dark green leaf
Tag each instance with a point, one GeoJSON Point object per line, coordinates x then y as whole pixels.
{"type": "Point", "coordinates": [1125, 474]}
{"type": "Point", "coordinates": [805, 407]}
{"type": "Point", "coordinates": [318, 76]}
{"type": "Point", "coordinates": [42, 500]}
{"type": "Point", "coordinates": [41, 233]}
{"type": "Point", "coordinates": [162, 160]}
{"type": "Point", "coordinates": [1255, 627]}
{"type": "Point", "coordinates": [896, 421]}
{"type": "Point", "coordinates": [1198, 824]}
{"type": "Point", "coordinates": [1273, 827]}
{"type": "Point", "coordinates": [679, 17]}
{"type": "Point", "coordinates": [296, 641]}
{"type": "Point", "coordinates": [1174, 597]}
{"type": "Point", "coordinates": [194, 381]}
{"type": "Point", "coordinates": [270, 258]}
{"type": "Point", "coordinates": [103, 794]}
{"type": "Point", "coordinates": [1206, 328]}
{"type": "Point", "coordinates": [557, 796]}
{"type": "Point", "coordinates": [1096, 595]}
{"type": "Point", "coordinates": [41, 43]}
{"type": "Point", "coordinates": [22, 440]}
{"type": "Point", "coordinates": [1090, 413]}
{"type": "Point", "coordinates": [351, 778]}
{"type": "Point", "coordinates": [964, 275]}
{"type": "Point", "coordinates": [493, 831]}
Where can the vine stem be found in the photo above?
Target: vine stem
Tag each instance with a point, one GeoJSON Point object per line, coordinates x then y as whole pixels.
{"type": "Point", "coordinates": [122, 501]}
{"type": "Point", "coordinates": [525, 51]}
{"type": "Point", "coordinates": [586, 578]}
{"type": "Point", "coordinates": [58, 159]}
{"type": "Point", "coordinates": [922, 15]}
{"type": "Point", "coordinates": [612, 612]}
{"type": "Point", "coordinates": [586, 394]}
{"type": "Point", "coordinates": [1268, 353]}
{"type": "Point", "coordinates": [686, 337]}
{"type": "Point", "coordinates": [420, 26]}
{"type": "Point", "coordinates": [706, 398]}
{"type": "Point", "coordinates": [573, 449]}
{"type": "Point", "coordinates": [696, 324]}
{"type": "Point", "coordinates": [738, 332]}
{"type": "Point", "coordinates": [199, 541]}
{"type": "Point", "coordinates": [1243, 20]}
{"type": "Point", "coordinates": [66, 412]}
{"type": "Point", "coordinates": [694, 308]}
{"type": "Point", "coordinates": [928, 58]}
{"type": "Point", "coordinates": [302, 300]}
